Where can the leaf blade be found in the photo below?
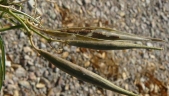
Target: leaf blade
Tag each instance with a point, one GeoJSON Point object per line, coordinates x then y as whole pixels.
{"type": "Point", "coordinates": [2, 62]}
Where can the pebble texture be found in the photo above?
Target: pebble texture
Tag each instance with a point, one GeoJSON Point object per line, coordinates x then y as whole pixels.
{"type": "Point", "coordinates": [141, 71]}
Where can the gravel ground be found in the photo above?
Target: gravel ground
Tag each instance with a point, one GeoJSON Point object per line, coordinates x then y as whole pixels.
{"type": "Point", "coordinates": [140, 71]}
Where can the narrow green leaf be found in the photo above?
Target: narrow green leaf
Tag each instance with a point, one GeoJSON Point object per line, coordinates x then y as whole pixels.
{"type": "Point", "coordinates": [2, 62]}
{"type": "Point", "coordinates": [83, 74]}
{"type": "Point", "coordinates": [108, 45]}
{"type": "Point", "coordinates": [10, 27]}
{"type": "Point", "coordinates": [1, 74]}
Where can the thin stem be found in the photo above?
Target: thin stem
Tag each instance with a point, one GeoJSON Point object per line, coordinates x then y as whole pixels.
{"type": "Point", "coordinates": [30, 38]}
{"type": "Point", "coordinates": [16, 17]}
{"type": "Point", "coordinates": [10, 27]}
{"type": "Point", "coordinates": [43, 36]}
{"type": "Point", "coordinates": [2, 14]}
{"type": "Point", "coordinates": [47, 38]}
{"type": "Point", "coordinates": [38, 33]}
{"type": "Point", "coordinates": [14, 3]}
{"type": "Point", "coordinates": [17, 11]}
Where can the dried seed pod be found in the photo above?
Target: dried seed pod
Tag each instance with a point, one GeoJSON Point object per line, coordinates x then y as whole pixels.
{"type": "Point", "coordinates": [118, 35]}
{"type": "Point", "coordinates": [69, 36]}
{"type": "Point", "coordinates": [63, 35]}
{"type": "Point", "coordinates": [107, 45]}
{"type": "Point", "coordinates": [83, 74]}
{"type": "Point", "coordinates": [93, 33]}
{"type": "Point", "coordinates": [106, 34]}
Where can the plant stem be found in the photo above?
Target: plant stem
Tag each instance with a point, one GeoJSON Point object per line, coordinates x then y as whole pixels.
{"type": "Point", "coordinates": [10, 27]}
{"type": "Point", "coordinates": [43, 36]}
{"type": "Point", "coordinates": [22, 22]}
{"type": "Point", "coordinates": [17, 11]}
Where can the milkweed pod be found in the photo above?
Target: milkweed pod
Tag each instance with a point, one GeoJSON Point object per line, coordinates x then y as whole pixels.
{"type": "Point", "coordinates": [82, 73]}
{"type": "Point", "coordinates": [108, 45]}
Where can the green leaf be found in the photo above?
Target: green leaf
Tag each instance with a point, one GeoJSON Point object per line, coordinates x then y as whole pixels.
{"type": "Point", "coordinates": [108, 45]}
{"type": "Point", "coordinates": [10, 27]}
{"type": "Point", "coordinates": [2, 62]}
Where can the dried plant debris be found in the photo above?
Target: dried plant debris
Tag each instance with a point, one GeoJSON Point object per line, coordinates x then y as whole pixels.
{"type": "Point", "coordinates": [102, 61]}
{"type": "Point", "coordinates": [105, 63]}
{"type": "Point", "coordinates": [70, 19]}
{"type": "Point", "coordinates": [152, 86]}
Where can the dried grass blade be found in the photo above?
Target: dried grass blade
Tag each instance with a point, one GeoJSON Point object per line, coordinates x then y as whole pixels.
{"type": "Point", "coordinates": [108, 45]}
{"type": "Point", "coordinates": [83, 73]}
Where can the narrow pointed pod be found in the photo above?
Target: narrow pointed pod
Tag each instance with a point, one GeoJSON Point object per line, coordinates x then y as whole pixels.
{"type": "Point", "coordinates": [82, 73]}
{"type": "Point", "coordinates": [105, 33]}
{"type": "Point", "coordinates": [69, 36]}
{"type": "Point", "coordinates": [93, 33]}
{"type": "Point", "coordinates": [108, 45]}
{"type": "Point", "coordinates": [63, 35]}
{"type": "Point", "coordinates": [123, 35]}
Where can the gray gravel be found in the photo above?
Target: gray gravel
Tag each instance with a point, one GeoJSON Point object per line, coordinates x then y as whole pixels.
{"type": "Point", "coordinates": [31, 75]}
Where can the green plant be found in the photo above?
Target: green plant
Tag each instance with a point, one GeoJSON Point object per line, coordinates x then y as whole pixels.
{"type": "Point", "coordinates": [87, 37]}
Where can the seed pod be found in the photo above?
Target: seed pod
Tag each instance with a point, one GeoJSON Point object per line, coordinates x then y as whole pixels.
{"type": "Point", "coordinates": [106, 34]}
{"type": "Point", "coordinates": [83, 74]}
{"type": "Point", "coordinates": [107, 45]}
{"type": "Point", "coordinates": [94, 33]}
{"type": "Point", "coordinates": [69, 36]}
{"type": "Point", "coordinates": [64, 35]}
{"type": "Point", "coordinates": [118, 35]}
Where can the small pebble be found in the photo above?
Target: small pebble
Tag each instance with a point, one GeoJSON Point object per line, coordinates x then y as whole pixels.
{"type": "Point", "coordinates": [32, 76]}
{"type": "Point", "coordinates": [40, 85]}
{"type": "Point", "coordinates": [25, 84]}
{"type": "Point", "coordinates": [20, 72]}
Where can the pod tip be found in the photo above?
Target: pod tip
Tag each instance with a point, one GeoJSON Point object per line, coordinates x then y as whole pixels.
{"type": "Point", "coordinates": [156, 39]}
